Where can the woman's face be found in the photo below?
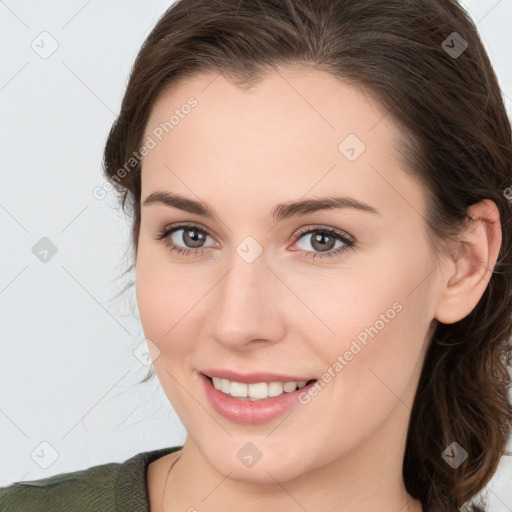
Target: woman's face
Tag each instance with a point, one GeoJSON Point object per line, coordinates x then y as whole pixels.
{"type": "Point", "coordinates": [258, 293]}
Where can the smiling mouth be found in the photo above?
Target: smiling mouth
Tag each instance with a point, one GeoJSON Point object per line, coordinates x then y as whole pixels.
{"type": "Point", "coordinates": [256, 391]}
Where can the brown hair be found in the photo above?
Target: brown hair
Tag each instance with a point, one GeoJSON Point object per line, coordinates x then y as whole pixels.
{"type": "Point", "coordinates": [447, 100]}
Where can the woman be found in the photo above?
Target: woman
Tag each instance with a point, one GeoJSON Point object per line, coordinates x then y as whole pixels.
{"type": "Point", "coordinates": [322, 251]}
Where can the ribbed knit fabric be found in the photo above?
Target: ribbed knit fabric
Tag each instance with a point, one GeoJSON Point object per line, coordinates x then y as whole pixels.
{"type": "Point", "coordinates": [112, 487]}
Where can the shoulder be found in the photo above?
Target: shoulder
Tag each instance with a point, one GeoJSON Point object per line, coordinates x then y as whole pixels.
{"type": "Point", "coordinates": [88, 488]}
{"type": "Point", "coordinates": [107, 487]}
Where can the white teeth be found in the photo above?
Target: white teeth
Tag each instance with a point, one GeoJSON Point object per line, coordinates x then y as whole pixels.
{"type": "Point", "coordinates": [225, 386]}
{"type": "Point", "coordinates": [275, 389]}
{"type": "Point", "coordinates": [256, 391]}
{"type": "Point", "coordinates": [238, 389]}
{"type": "Point", "coordinates": [290, 386]}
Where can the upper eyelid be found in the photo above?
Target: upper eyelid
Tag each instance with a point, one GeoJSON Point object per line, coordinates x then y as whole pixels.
{"type": "Point", "coordinates": [320, 227]}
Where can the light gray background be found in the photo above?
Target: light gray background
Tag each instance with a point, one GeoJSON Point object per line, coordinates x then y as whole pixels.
{"type": "Point", "coordinates": [68, 369]}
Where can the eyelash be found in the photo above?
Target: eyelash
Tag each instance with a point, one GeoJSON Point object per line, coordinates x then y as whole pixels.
{"type": "Point", "coordinates": [349, 243]}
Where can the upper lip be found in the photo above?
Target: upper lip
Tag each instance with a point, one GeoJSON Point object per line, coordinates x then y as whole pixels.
{"type": "Point", "coordinates": [252, 378]}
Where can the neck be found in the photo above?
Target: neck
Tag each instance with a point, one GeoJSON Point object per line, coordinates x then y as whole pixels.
{"type": "Point", "coordinates": [369, 478]}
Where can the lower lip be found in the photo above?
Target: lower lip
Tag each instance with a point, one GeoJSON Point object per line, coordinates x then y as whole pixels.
{"type": "Point", "coordinates": [247, 412]}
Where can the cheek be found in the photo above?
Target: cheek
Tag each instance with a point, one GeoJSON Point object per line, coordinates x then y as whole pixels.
{"type": "Point", "coordinates": [383, 350]}
{"type": "Point", "coordinates": [362, 303]}
{"type": "Point", "coordinates": [378, 318]}
{"type": "Point", "coordinates": [172, 302]}
{"type": "Point", "coordinates": [159, 291]}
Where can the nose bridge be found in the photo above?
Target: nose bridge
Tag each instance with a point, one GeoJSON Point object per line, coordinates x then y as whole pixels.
{"type": "Point", "coordinates": [246, 299]}
{"type": "Point", "coordinates": [245, 285]}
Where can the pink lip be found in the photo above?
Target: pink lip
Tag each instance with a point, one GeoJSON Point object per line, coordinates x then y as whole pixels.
{"type": "Point", "coordinates": [247, 412]}
{"type": "Point", "coordinates": [252, 378]}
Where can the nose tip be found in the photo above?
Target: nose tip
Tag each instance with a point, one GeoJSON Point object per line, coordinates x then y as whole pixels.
{"type": "Point", "coordinates": [246, 307]}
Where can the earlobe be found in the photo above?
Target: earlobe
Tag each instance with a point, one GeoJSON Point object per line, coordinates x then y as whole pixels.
{"type": "Point", "coordinates": [471, 263]}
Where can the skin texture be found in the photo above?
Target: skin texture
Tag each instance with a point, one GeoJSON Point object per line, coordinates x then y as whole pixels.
{"type": "Point", "coordinates": [243, 152]}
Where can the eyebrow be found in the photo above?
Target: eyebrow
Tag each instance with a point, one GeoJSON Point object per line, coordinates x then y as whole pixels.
{"type": "Point", "coordinates": [281, 211]}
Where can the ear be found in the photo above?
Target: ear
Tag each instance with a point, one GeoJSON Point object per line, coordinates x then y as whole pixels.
{"type": "Point", "coordinates": [471, 262]}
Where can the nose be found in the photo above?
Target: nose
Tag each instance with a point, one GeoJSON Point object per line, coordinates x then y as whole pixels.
{"type": "Point", "coordinates": [248, 305]}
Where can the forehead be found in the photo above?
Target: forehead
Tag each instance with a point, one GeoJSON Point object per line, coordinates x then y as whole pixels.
{"type": "Point", "coordinates": [296, 130]}
{"type": "Point", "coordinates": [291, 101]}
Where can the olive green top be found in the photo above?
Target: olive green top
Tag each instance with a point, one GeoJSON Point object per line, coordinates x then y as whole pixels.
{"type": "Point", "coordinates": [112, 487]}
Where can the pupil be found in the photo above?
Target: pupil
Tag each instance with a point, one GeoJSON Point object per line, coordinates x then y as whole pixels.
{"type": "Point", "coordinates": [323, 245]}
{"type": "Point", "coordinates": [195, 240]}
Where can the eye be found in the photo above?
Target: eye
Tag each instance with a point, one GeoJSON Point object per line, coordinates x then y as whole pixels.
{"type": "Point", "coordinates": [324, 241]}
{"type": "Point", "coordinates": [194, 237]}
